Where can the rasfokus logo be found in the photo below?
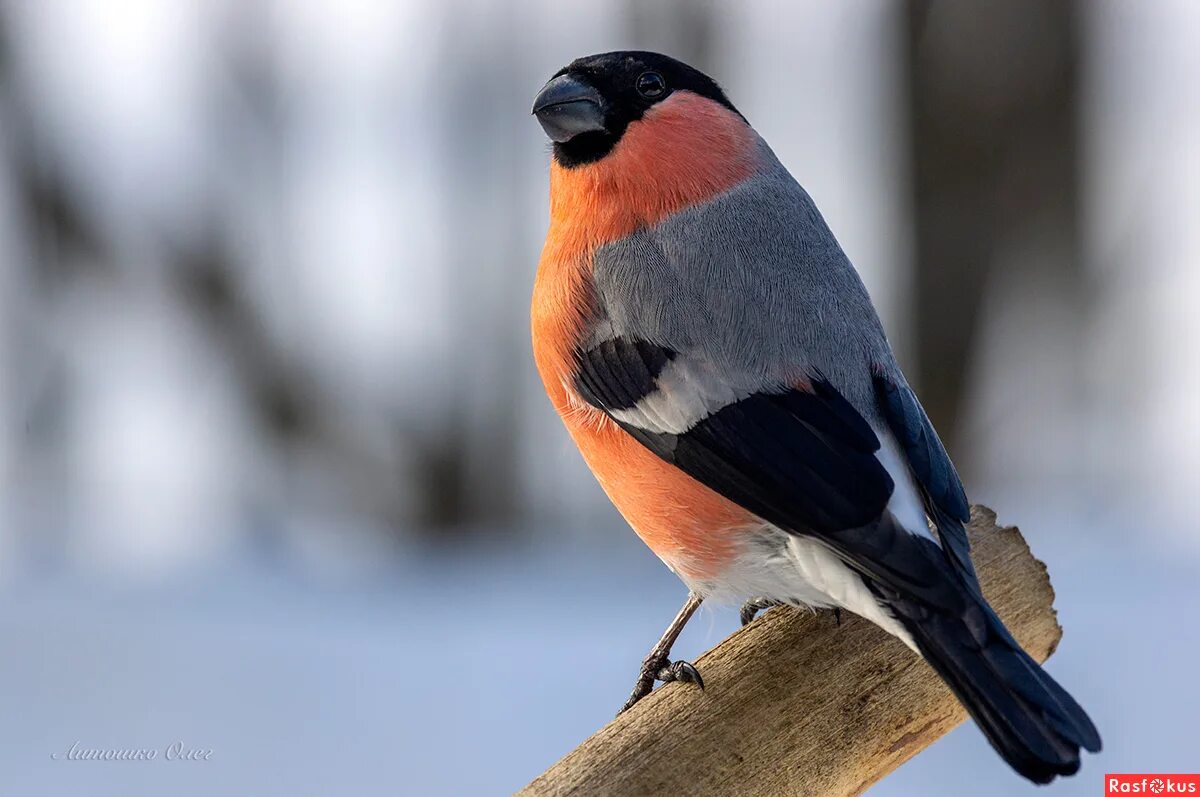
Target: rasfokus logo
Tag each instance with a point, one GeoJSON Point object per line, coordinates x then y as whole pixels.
{"type": "Point", "coordinates": [1151, 784]}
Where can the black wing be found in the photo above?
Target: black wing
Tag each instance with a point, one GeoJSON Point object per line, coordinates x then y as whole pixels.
{"type": "Point", "coordinates": [804, 460]}
{"type": "Point", "coordinates": [945, 499]}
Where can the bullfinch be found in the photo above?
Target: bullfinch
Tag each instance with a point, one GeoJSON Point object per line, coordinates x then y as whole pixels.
{"type": "Point", "coordinates": [717, 360]}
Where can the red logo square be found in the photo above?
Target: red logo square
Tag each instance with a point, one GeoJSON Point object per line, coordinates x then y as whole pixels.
{"type": "Point", "coordinates": [1126, 783]}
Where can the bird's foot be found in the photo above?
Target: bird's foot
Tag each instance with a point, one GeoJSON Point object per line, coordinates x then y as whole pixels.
{"type": "Point", "coordinates": [659, 668]}
{"type": "Point", "coordinates": [755, 605]}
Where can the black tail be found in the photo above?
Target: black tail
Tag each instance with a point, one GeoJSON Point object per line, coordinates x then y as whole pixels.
{"type": "Point", "coordinates": [1031, 721]}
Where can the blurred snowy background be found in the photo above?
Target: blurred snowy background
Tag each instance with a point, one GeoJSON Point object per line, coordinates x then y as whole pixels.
{"type": "Point", "coordinates": [277, 478]}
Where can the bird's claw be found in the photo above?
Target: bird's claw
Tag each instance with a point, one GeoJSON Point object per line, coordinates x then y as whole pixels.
{"type": "Point", "coordinates": [661, 669]}
{"type": "Point", "coordinates": [755, 605]}
{"type": "Point", "coordinates": [680, 671]}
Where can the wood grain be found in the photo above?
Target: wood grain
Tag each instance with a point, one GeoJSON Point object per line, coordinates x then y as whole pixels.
{"type": "Point", "coordinates": [796, 705]}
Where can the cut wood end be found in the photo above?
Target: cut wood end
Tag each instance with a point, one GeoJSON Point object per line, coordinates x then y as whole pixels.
{"type": "Point", "coordinates": [989, 540]}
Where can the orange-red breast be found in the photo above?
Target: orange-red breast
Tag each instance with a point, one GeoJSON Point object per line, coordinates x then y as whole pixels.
{"type": "Point", "coordinates": [720, 365]}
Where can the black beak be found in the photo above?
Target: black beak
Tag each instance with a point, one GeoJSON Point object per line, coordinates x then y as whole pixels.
{"type": "Point", "coordinates": [566, 107]}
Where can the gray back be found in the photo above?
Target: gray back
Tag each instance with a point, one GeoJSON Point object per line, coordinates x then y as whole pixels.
{"type": "Point", "coordinates": [753, 284]}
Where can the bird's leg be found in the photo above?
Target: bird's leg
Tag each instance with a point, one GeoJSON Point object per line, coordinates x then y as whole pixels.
{"type": "Point", "coordinates": [837, 615]}
{"type": "Point", "coordinates": [657, 666]}
{"type": "Point", "coordinates": [755, 605]}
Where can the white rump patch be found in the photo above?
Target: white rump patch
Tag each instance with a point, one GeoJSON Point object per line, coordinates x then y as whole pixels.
{"type": "Point", "coordinates": [799, 571]}
{"type": "Point", "coordinates": [906, 504]}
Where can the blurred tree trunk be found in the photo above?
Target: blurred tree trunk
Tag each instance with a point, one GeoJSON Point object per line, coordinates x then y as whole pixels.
{"type": "Point", "coordinates": [470, 477]}
{"type": "Point", "coordinates": [50, 244]}
{"type": "Point", "coordinates": [994, 94]}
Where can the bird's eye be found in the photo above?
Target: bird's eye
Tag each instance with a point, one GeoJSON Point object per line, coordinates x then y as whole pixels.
{"type": "Point", "coordinates": [651, 84]}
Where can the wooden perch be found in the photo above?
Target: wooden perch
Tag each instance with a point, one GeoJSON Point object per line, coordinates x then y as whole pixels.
{"type": "Point", "coordinates": [796, 705]}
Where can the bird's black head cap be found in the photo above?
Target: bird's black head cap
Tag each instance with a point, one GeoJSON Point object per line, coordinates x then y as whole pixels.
{"type": "Point", "coordinates": [588, 104]}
